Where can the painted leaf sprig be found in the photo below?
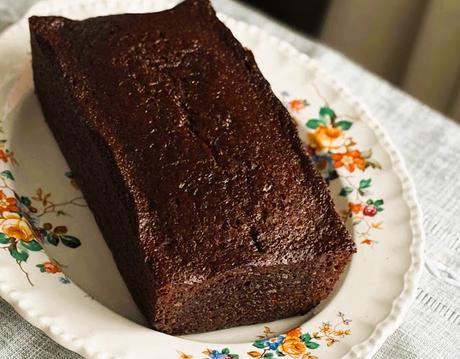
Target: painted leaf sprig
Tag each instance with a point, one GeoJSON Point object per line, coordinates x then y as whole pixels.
{"type": "Point", "coordinates": [292, 344]}
{"type": "Point", "coordinates": [58, 234]}
{"type": "Point", "coordinates": [21, 232]}
{"type": "Point", "coordinates": [336, 154]}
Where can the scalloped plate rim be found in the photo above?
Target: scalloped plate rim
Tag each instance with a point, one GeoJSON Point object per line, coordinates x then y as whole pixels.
{"type": "Point", "coordinates": [400, 304]}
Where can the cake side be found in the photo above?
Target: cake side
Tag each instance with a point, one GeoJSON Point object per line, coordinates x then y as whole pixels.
{"type": "Point", "coordinates": [209, 189]}
{"type": "Point", "coordinates": [88, 156]}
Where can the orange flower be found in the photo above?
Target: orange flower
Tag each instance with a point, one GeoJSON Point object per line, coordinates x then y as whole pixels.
{"type": "Point", "coordinates": [355, 207]}
{"type": "Point", "coordinates": [3, 156]}
{"type": "Point", "coordinates": [51, 267]}
{"type": "Point", "coordinates": [369, 242]}
{"type": "Point", "coordinates": [292, 346]}
{"type": "Point", "coordinates": [350, 160]}
{"type": "Point", "coordinates": [7, 203]}
{"type": "Point", "coordinates": [296, 105]}
{"type": "Point", "coordinates": [14, 226]}
{"type": "Point", "coordinates": [294, 332]}
{"type": "Point", "coordinates": [323, 137]}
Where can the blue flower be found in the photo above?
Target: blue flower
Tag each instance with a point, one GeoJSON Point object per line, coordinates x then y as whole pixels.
{"type": "Point", "coordinates": [217, 355]}
{"type": "Point", "coordinates": [284, 93]}
{"type": "Point", "coordinates": [273, 343]}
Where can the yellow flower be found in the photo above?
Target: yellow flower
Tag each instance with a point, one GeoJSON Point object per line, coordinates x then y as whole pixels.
{"type": "Point", "coordinates": [323, 137]}
{"type": "Point", "coordinates": [325, 328]}
{"type": "Point", "coordinates": [183, 355]}
{"type": "Point", "coordinates": [293, 346]}
{"type": "Point", "coordinates": [255, 354]}
{"type": "Point", "coordinates": [14, 226]}
{"type": "Point", "coordinates": [377, 225]}
{"type": "Point", "coordinates": [330, 341]}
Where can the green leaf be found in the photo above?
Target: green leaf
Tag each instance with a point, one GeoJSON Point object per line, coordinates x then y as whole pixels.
{"type": "Point", "coordinates": [279, 353]}
{"type": "Point", "coordinates": [345, 191]}
{"type": "Point", "coordinates": [41, 267]}
{"type": "Point", "coordinates": [315, 123]}
{"type": "Point", "coordinates": [4, 239]}
{"type": "Point", "coordinates": [332, 175]}
{"type": "Point", "coordinates": [305, 337]}
{"type": "Point", "coordinates": [312, 345]}
{"type": "Point", "coordinates": [70, 241]}
{"type": "Point", "coordinates": [344, 125]}
{"type": "Point", "coordinates": [268, 355]}
{"type": "Point", "coordinates": [52, 239]}
{"type": "Point", "coordinates": [32, 245]}
{"type": "Point", "coordinates": [370, 201]}
{"type": "Point", "coordinates": [225, 351]}
{"type": "Point", "coordinates": [327, 112]}
{"type": "Point", "coordinates": [25, 200]}
{"type": "Point", "coordinates": [234, 356]}
{"type": "Point", "coordinates": [7, 174]}
{"type": "Point", "coordinates": [259, 344]}
{"type": "Point", "coordinates": [365, 183]}
{"type": "Point", "coordinates": [379, 209]}
{"type": "Point", "coordinates": [20, 256]}
{"type": "Point", "coordinates": [378, 202]}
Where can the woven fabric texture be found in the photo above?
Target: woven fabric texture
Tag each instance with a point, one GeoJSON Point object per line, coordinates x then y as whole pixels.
{"type": "Point", "coordinates": [430, 145]}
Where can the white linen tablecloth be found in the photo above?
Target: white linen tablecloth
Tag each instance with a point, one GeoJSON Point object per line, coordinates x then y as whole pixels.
{"type": "Point", "coordinates": [430, 145]}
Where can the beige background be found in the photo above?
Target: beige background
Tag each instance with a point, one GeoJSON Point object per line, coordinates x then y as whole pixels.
{"type": "Point", "coordinates": [414, 44]}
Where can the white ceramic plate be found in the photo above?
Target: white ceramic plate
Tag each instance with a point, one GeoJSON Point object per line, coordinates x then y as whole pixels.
{"type": "Point", "coordinates": [89, 310]}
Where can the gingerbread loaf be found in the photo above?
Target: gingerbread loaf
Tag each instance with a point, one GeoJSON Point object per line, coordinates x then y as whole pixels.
{"type": "Point", "coordinates": [191, 166]}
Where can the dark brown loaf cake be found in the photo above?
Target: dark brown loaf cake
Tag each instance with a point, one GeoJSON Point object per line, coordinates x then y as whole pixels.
{"type": "Point", "coordinates": [191, 166]}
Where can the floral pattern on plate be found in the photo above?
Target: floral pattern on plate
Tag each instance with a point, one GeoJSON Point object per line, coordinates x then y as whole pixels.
{"type": "Point", "coordinates": [21, 227]}
{"type": "Point", "coordinates": [388, 291]}
{"type": "Point", "coordinates": [293, 344]}
{"type": "Point", "coordinates": [336, 155]}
